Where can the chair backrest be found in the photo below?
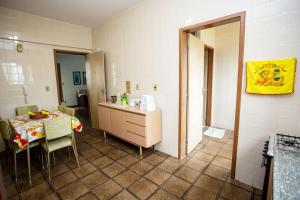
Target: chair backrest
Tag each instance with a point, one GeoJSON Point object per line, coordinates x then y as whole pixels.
{"type": "Point", "coordinates": [70, 111]}
{"type": "Point", "coordinates": [58, 127]}
{"type": "Point", "coordinates": [5, 130]}
{"type": "Point", "coordinates": [61, 108]}
{"type": "Point", "coordinates": [22, 110]}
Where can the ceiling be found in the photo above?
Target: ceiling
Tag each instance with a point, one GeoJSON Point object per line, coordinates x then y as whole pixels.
{"type": "Point", "coordinates": [89, 13]}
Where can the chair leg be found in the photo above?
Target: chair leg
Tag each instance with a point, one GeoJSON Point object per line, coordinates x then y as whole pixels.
{"type": "Point", "coordinates": [49, 166]}
{"type": "Point", "coordinates": [53, 158]}
{"type": "Point", "coordinates": [15, 161]}
{"type": "Point", "coordinates": [29, 165]}
{"type": "Point", "coordinates": [8, 160]}
{"type": "Point", "coordinates": [42, 155]}
{"type": "Point", "coordinates": [76, 154]}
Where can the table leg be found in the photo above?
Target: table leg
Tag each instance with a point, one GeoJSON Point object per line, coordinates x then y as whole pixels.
{"type": "Point", "coordinates": [29, 167]}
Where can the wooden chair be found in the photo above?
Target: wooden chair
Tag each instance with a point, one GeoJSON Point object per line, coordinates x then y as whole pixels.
{"type": "Point", "coordinates": [6, 133]}
{"type": "Point", "coordinates": [58, 134]}
{"type": "Point", "coordinates": [22, 110]}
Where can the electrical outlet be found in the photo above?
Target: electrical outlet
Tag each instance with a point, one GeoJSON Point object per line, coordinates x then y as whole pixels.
{"type": "Point", "coordinates": [155, 87]}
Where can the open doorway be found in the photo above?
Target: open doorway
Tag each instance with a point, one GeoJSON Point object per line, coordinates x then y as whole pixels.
{"type": "Point", "coordinates": [90, 83]}
{"type": "Point", "coordinates": [72, 83]}
{"type": "Point", "coordinates": [208, 103]}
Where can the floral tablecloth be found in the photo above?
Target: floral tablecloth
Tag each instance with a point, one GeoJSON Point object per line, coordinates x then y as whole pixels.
{"type": "Point", "coordinates": [28, 130]}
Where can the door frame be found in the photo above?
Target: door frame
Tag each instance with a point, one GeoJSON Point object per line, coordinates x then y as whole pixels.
{"type": "Point", "coordinates": [183, 78]}
{"type": "Point", "coordinates": [57, 71]}
{"type": "Point", "coordinates": [210, 68]}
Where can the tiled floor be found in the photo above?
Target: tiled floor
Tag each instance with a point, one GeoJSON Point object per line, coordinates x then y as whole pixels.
{"type": "Point", "coordinates": [112, 169]}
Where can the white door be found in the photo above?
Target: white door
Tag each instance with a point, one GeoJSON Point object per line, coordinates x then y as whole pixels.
{"type": "Point", "coordinates": [195, 92]}
{"type": "Point", "coordinates": [95, 73]}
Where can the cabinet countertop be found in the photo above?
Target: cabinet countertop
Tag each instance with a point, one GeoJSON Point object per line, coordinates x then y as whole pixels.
{"type": "Point", "coordinates": [124, 108]}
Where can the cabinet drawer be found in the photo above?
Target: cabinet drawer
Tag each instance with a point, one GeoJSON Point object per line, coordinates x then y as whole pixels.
{"type": "Point", "coordinates": [137, 139]}
{"type": "Point", "coordinates": [137, 129]}
{"type": "Point", "coordinates": [136, 119]}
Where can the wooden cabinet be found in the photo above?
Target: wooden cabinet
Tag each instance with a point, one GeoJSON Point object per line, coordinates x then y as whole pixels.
{"type": "Point", "coordinates": [104, 118]}
{"type": "Point", "coordinates": [141, 128]}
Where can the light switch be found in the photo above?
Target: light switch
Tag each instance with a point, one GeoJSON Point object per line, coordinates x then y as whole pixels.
{"type": "Point", "coordinates": [47, 88]}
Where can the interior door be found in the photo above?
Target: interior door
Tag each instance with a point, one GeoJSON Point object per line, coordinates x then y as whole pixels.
{"type": "Point", "coordinates": [195, 92]}
{"type": "Point", "coordinates": [95, 72]}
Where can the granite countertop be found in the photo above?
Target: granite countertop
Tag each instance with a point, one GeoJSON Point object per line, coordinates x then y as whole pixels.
{"type": "Point", "coordinates": [286, 173]}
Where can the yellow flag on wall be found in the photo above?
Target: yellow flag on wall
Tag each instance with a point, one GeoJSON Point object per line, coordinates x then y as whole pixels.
{"type": "Point", "coordinates": [271, 76]}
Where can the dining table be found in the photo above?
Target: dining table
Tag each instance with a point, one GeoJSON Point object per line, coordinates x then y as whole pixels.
{"type": "Point", "coordinates": [26, 130]}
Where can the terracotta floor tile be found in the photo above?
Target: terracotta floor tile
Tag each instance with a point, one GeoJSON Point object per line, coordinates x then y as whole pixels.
{"type": "Point", "coordinates": [23, 183]}
{"type": "Point", "coordinates": [187, 174]}
{"type": "Point", "coordinates": [211, 150]}
{"type": "Point", "coordinates": [235, 193]}
{"type": "Point", "coordinates": [217, 172]}
{"type": "Point", "coordinates": [242, 185]}
{"type": "Point", "coordinates": [113, 169]}
{"type": "Point", "coordinates": [142, 188]}
{"type": "Point", "coordinates": [154, 159]}
{"type": "Point", "coordinates": [203, 156]}
{"type": "Point", "coordinates": [63, 180]}
{"type": "Point", "coordinates": [197, 193]}
{"type": "Point", "coordinates": [107, 190]}
{"type": "Point", "coordinates": [15, 197]}
{"type": "Point", "coordinates": [222, 162]}
{"type": "Point", "coordinates": [37, 192]}
{"type": "Point", "coordinates": [128, 160]}
{"type": "Point", "coordinates": [124, 195]}
{"type": "Point", "coordinates": [209, 184]}
{"type": "Point", "coordinates": [94, 179]}
{"type": "Point", "coordinates": [162, 195]}
{"type": "Point", "coordinates": [169, 165]}
{"type": "Point", "coordinates": [57, 170]}
{"type": "Point", "coordinates": [141, 168]}
{"type": "Point", "coordinates": [116, 154]}
{"type": "Point", "coordinates": [51, 197]}
{"type": "Point", "coordinates": [157, 176]}
{"type": "Point", "coordinates": [11, 189]}
{"type": "Point", "coordinates": [93, 155]}
{"type": "Point", "coordinates": [72, 164]}
{"type": "Point", "coordinates": [102, 162]}
{"type": "Point", "coordinates": [88, 196]}
{"type": "Point", "coordinates": [126, 178]}
{"type": "Point", "coordinates": [84, 170]}
{"type": "Point", "coordinates": [195, 164]}
{"type": "Point", "coordinates": [176, 186]}
{"type": "Point", "coordinates": [73, 191]}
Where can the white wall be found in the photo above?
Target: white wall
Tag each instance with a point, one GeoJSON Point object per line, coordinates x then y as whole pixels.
{"type": "Point", "coordinates": [68, 64]}
{"type": "Point", "coordinates": [36, 62]}
{"type": "Point", "coordinates": [225, 71]}
{"type": "Point", "coordinates": [141, 45]}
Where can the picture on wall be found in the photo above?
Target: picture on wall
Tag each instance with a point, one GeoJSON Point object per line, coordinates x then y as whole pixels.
{"type": "Point", "coordinates": [84, 78]}
{"type": "Point", "coordinates": [271, 76]}
{"type": "Point", "coordinates": [76, 78]}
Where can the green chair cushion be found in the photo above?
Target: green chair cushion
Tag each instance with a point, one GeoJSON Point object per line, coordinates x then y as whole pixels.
{"type": "Point", "coordinates": [57, 143]}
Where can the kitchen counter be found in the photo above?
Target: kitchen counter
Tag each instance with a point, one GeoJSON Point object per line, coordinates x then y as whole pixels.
{"type": "Point", "coordinates": [286, 173]}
